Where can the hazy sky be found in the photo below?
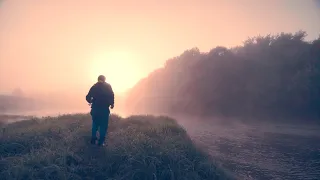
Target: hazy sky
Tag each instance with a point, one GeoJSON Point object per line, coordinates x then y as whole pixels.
{"type": "Point", "coordinates": [58, 45]}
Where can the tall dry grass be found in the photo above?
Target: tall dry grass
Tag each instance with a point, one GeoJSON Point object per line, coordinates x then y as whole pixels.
{"type": "Point", "coordinates": [139, 147]}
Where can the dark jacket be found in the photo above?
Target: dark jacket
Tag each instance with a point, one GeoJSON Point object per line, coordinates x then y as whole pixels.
{"type": "Point", "coordinates": [100, 95]}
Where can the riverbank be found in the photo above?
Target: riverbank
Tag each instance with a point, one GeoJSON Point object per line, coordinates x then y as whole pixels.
{"type": "Point", "coordinates": [139, 147]}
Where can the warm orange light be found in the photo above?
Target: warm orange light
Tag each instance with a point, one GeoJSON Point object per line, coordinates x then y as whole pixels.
{"type": "Point", "coordinates": [120, 68]}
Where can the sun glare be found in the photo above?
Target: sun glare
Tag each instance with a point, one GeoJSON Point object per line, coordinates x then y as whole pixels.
{"type": "Point", "coordinates": [120, 68]}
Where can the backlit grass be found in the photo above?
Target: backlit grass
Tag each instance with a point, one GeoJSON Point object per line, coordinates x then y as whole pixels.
{"type": "Point", "coordinates": [139, 147]}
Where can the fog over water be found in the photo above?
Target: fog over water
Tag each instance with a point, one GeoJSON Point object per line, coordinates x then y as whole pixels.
{"type": "Point", "coordinates": [251, 103]}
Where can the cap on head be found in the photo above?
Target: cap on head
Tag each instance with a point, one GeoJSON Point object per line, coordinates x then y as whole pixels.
{"type": "Point", "coordinates": [102, 78]}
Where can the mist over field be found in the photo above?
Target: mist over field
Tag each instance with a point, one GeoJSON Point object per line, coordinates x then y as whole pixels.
{"type": "Point", "coordinates": [243, 83]}
{"type": "Point", "coordinates": [253, 108]}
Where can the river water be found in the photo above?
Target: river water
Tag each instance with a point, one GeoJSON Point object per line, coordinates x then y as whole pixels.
{"type": "Point", "coordinates": [260, 151]}
{"type": "Point", "coordinates": [23, 115]}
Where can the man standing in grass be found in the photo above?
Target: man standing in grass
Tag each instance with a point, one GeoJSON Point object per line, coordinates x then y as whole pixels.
{"type": "Point", "coordinates": [101, 97]}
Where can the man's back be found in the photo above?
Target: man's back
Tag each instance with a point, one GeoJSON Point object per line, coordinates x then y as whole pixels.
{"type": "Point", "coordinates": [100, 95]}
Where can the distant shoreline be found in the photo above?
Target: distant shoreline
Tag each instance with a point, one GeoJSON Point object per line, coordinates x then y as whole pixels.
{"type": "Point", "coordinates": [39, 113]}
{"type": "Point", "coordinates": [14, 116]}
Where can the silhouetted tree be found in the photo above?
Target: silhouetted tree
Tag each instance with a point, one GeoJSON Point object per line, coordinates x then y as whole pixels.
{"type": "Point", "coordinates": [17, 92]}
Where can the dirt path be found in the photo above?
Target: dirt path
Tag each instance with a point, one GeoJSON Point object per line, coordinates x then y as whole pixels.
{"type": "Point", "coordinates": [260, 152]}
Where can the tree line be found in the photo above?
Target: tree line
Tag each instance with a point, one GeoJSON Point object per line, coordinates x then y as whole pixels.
{"type": "Point", "coordinates": [268, 76]}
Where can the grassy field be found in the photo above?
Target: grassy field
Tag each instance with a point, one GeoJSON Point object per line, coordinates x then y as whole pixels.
{"type": "Point", "coordinates": [139, 147]}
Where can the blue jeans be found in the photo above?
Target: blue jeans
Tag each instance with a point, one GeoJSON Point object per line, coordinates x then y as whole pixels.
{"type": "Point", "coordinates": [100, 120]}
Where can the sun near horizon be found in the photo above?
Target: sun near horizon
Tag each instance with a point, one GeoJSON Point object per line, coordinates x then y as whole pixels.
{"type": "Point", "coordinates": [62, 46]}
{"type": "Point", "coordinates": [118, 66]}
